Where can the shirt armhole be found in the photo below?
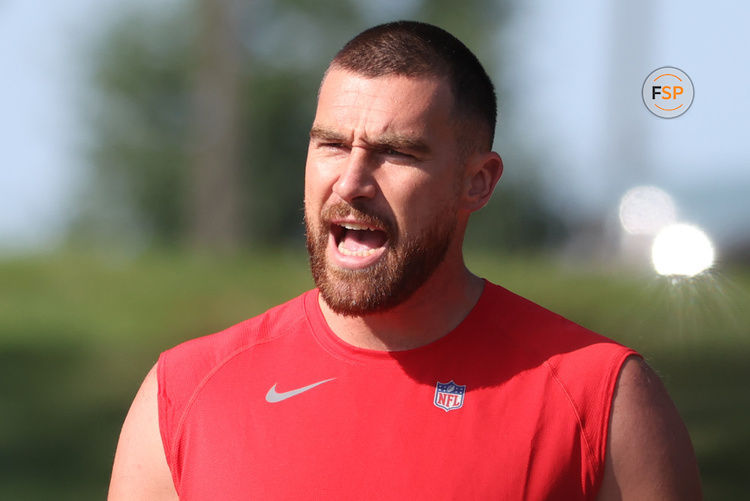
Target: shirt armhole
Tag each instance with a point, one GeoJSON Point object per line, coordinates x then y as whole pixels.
{"type": "Point", "coordinates": [165, 405]}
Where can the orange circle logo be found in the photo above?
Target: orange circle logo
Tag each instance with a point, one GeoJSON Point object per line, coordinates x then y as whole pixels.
{"type": "Point", "coordinates": [668, 92]}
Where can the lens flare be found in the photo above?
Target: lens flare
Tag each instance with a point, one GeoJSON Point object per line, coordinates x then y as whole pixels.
{"type": "Point", "coordinates": [682, 250]}
{"type": "Point", "coordinates": [644, 210]}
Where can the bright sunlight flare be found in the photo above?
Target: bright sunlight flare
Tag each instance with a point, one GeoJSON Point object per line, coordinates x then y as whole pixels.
{"type": "Point", "coordinates": [682, 249]}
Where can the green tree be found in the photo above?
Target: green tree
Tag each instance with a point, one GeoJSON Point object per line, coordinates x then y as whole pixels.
{"type": "Point", "coordinates": [144, 135]}
{"type": "Point", "coordinates": [213, 195]}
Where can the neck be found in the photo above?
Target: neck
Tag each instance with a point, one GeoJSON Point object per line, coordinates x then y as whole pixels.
{"type": "Point", "coordinates": [435, 309]}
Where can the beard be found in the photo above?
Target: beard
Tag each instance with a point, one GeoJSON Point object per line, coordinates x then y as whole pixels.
{"type": "Point", "coordinates": [406, 264]}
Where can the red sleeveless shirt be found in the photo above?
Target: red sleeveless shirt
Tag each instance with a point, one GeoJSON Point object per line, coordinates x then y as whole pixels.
{"type": "Point", "coordinates": [512, 404]}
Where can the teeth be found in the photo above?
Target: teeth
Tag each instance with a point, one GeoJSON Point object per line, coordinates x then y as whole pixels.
{"type": "Point", "coordinates": [355, 226]}
{"type": "Point", "coordinates": [359, 253]}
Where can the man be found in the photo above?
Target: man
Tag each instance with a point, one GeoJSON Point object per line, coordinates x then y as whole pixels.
{"type": "Point", "coordinates": [403, 375]}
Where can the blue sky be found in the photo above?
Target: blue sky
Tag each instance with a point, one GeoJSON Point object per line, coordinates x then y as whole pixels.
{"type": "Point", "coordinates": [41, 44]}
{"type": "Point", "coordinates": [583, 69]}
{"type": "Point", "coordinates": [586, 67]}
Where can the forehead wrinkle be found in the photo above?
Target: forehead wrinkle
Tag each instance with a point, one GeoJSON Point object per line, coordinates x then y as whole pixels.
{"type": "Point", "coordinates": [353, 109]}
{"type": "Point", "coordinates": [384, 140]}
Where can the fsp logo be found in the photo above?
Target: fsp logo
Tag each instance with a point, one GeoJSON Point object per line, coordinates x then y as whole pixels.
{"type": "Point", "coordinates": [668, 92]}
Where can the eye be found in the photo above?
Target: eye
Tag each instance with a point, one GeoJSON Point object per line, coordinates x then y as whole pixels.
{"type": "Point", "coordinates": [332, 146]}
{"type": "Point", "coordinates": [398, 154]}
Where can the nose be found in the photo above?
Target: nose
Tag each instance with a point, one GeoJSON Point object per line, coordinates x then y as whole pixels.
{"type": "Point", "coordinates": [355, 179]}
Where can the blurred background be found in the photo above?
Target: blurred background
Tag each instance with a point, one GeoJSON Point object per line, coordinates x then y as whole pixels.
{"type": "Point", "coordinates": [151, 191]}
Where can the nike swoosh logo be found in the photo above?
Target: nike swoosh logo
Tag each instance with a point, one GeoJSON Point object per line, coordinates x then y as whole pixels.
{"type": "Point", "coordinates": [273, 396]}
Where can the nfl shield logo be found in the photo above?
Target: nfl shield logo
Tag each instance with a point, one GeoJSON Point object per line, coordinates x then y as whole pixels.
{"type": "Point", "coordinates": [449, 396]}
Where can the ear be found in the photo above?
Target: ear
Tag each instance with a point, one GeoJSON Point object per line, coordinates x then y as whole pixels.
{"type": "Point", "coordinates": [483, 171]}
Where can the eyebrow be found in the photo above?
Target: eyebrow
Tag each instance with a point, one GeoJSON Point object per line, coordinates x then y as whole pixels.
{"type": "Point", "coordinates": [322, 133]}
{"type": "Point", "coordinates": [388, 140]}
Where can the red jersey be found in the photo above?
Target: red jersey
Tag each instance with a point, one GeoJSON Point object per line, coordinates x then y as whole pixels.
{"type": "Point", "coordinates": [512, 404]}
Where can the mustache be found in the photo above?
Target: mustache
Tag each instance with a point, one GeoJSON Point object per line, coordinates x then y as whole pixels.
{"type": "Point", "coordinates": [364, 215]}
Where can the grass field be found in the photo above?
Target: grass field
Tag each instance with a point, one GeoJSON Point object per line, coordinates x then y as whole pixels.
{"type": "Point", "coordinates": [77, 334]}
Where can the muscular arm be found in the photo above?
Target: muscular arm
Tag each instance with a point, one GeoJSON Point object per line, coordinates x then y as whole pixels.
{"type": "Point", "coordinates": [140, 471]}
{"type": "Point", "coordinates": [649, 454]}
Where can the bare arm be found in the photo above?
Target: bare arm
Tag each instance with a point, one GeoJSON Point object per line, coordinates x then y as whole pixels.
{"type": "Point", "coordinates": [649, 454]}
{"type": "Point", "coordinates": [140, 471]}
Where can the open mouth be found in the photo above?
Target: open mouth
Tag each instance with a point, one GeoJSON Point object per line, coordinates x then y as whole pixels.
{"type": "Point", "coordinates": [354, 239]}
{"type": "Point", "coordinates": [358, 244]}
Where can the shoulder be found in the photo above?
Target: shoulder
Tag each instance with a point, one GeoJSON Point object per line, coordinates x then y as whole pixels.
{"type": "Point", "coordinates": [184, 369]}
{"type": "Point", "coordinates": [140, 469]}
{"type": "Point", "coordinates": [546, 335]}
{"type": "Point", "coordinates": [649, 453]}
{"type": "Point", "coordinates": [580, 367]}
{"type": "Point", "coordinates": [201, 355]}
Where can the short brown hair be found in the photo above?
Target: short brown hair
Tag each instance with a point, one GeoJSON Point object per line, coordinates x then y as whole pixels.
{"type": "Point", "coordinates": [415, 49]}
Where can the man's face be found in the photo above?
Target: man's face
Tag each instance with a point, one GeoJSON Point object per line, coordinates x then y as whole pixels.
{"type": "Point", "coordinates": [382, 183]}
